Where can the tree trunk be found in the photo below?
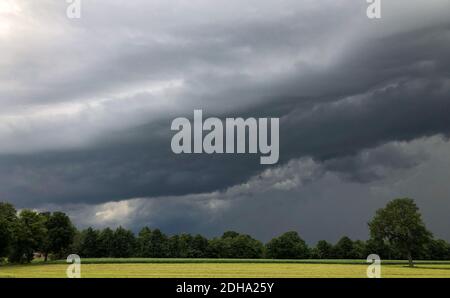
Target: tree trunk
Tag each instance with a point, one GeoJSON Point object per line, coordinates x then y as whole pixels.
{"type": "Point", "coordinates": [410, 260]}
{"type": "Point", "coordinates": [45, 256]}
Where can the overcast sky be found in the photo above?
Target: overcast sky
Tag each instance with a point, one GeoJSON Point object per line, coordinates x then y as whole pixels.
{"type": "Point", "coordinates": [364, 108]}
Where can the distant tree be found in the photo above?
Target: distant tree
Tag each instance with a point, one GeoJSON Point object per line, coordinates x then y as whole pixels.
{"type": "Point", "coordinates": [344, 248]}
{"type": "Point", "coordinates": [287, 246]}
{"type": "Point", "coordinates": [437, 249]}
{"type": "Point", "coordinates": [245, 247]}
{"type": "Point", "coordinates": [198, 247]}
{"type": "Point", "coordinates": [324, 250]}
{"type": "Point", "coordinates": [185, 245]}
{"type": "Point", "coordinates": [75, 246]}
{"type": "Point", "coordinates": [144, 243]}
{"type": "Point", "coordinates": [152, 244]}
{"type": "Point", "coordinates": [173, 247]}
{"type": "Point", "coordinates": [124, 244]}
{"type": "Point", "coordinates": [234, 245]}
{"type": "Point", "coordinates": [359, 250]}
{"type": "Point", "coordinates": [230, 234]}
{"type": "Point", "coordinates": [60, 233]}
{"type": "Point", "coordinates": [159, 244]}
{"type": "Point", "coordinates": [8, 219]}
{"type": "Point", "coordinates": [29, 235]}
{"type": "Point", "coordinates": [106, 240]}
{"type": "Point", "coordinates": [7, 211]}
{"type": "Point", "coordinates": [396, 231]}
{"type": "Point", "coordinates": [216, 248]}
{"type": "Point", "coordinates": [90, 244]}
{"type": "Point", "coordinates": [400, 223]}
{"type": "Point", "coordinates": [379, 247]}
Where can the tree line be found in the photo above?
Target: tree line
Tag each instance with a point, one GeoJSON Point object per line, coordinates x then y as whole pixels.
{"type": "Point", "coordinates": [396, 232]}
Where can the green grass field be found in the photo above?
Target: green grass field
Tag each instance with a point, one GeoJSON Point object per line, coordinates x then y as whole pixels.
{"type": "Point", "coordinates": [212, 268]}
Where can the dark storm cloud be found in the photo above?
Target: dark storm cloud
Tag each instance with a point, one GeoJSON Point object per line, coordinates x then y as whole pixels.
{"type": "Point", "coordinates": [392, 88]}
{"type": "Point", "coordinates": [87, 104]}
{"type": "Point", "coordinates": [137, 48]}
{"type": "Point", "coordinates": [302, 195]}
{"type": "Point", "coordinates": [116, 172]}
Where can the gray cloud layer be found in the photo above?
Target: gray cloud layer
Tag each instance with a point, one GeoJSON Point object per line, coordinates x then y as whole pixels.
{"type": "Point", "coordinates": [87, 105]}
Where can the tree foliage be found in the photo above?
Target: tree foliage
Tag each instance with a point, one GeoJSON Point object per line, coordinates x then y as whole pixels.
{"type": "Point", "coordinates": [323, 250]}
{"type": "Point", "coordinates": [123, 243]}
{"type": "Point", "coordinates": [8, 219]}
{"type": "Point", "coordinates": [60, 233]}
{"type": "Point", "coordinates": [90, 243]}
{"type": "Point", "coordinates": [29, 236]}
{"type": "Point", "coordinates": [401, 225]}
{"type": "Point", "coordinates": [288, 246]}
{"type": "Point", "coordinates": [397, 231]}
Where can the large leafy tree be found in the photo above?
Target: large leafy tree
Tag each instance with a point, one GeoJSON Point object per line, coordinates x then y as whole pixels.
{"type": "Point", "coordinates": [29, 236]}
{"type": "Point", "coordinates": [60, 233]}
{"type": "Point", "coordinates": [287, 246]}
{"type": "Point", "coordinates": [7, 220]}
{"type": "Point", "coordinates": [400, 224]}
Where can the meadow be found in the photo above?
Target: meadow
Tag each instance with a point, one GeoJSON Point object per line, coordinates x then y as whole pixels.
{"type": "Point", "coordinates": [225, 268]}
